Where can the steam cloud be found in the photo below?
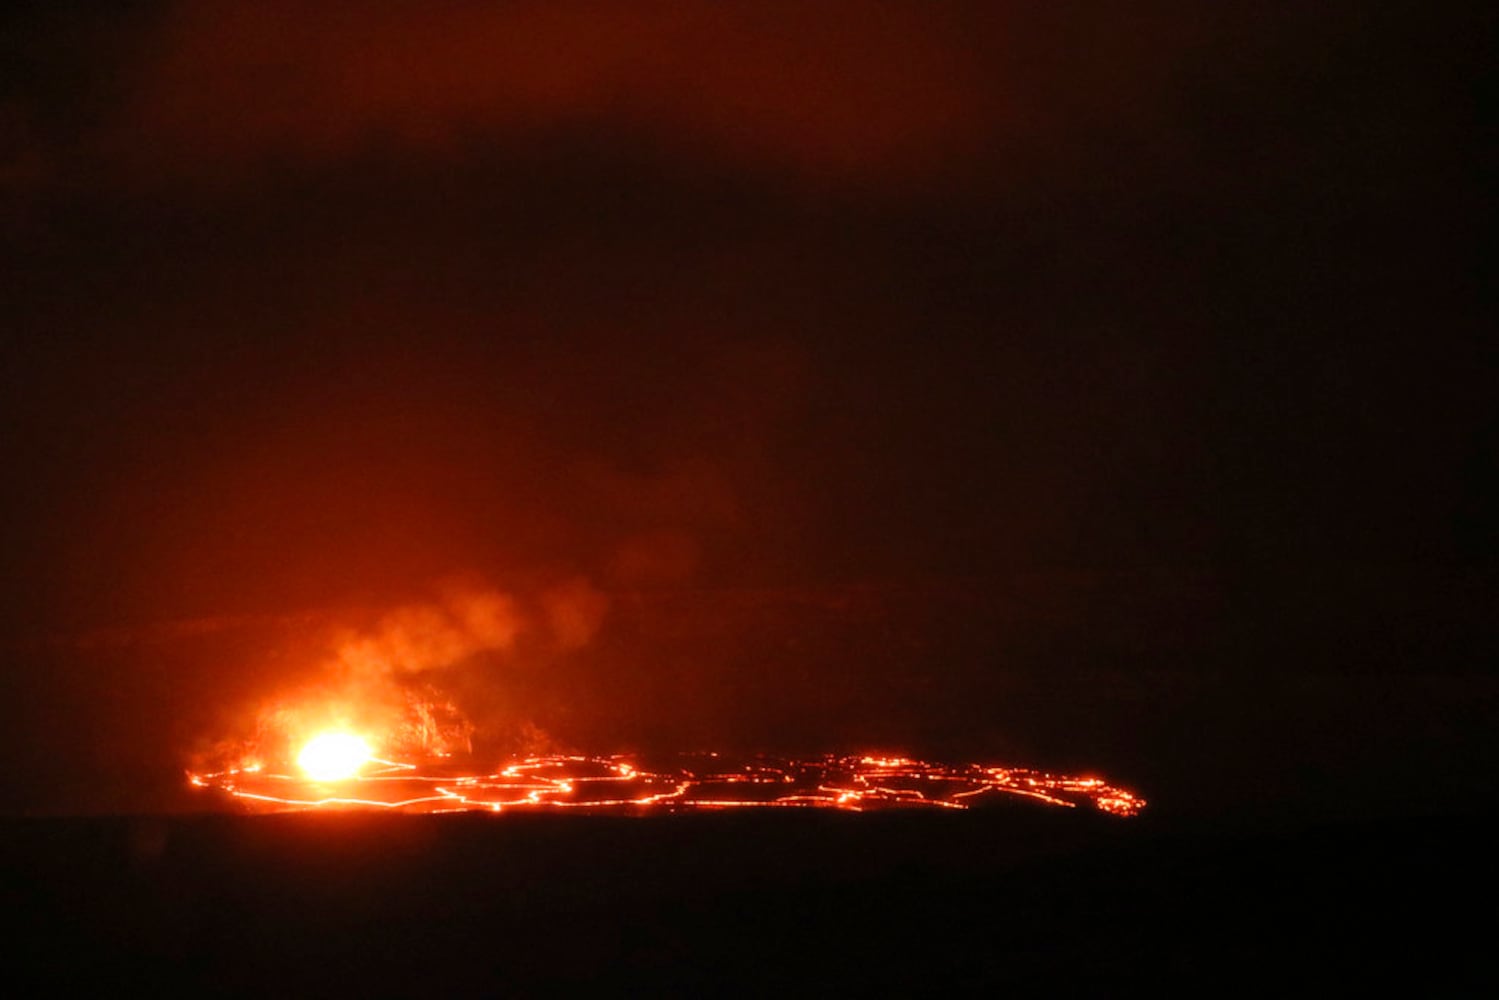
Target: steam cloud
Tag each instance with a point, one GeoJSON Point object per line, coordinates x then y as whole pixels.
{"type": "Point", "coordinates": [424, 637]}
{"type": "Point", "coordinates": [232, 79]}
{"type": "Point", "coordinates": [397, 678]}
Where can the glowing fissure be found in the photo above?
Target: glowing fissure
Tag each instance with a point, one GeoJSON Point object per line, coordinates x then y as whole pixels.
{"type": "Point", "coordinates": [696, 782]}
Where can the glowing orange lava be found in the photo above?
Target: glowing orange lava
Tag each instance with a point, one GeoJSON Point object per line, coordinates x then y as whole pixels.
{"type": "Point", "coordinates": [695, 782]}
{"type": "Point", "coordinates": [334, 756]}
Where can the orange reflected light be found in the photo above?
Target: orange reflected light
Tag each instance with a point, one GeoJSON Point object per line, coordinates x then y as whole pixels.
{"type": "Point", "coordinates": [334, 756]}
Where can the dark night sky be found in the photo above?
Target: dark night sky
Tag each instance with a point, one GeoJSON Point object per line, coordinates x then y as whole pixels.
{"type": "Point", "coordinates": [307, 310]}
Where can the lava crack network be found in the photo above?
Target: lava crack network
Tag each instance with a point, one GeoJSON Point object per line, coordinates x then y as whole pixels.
{"type": "Point", "coordinates": [698, 782]}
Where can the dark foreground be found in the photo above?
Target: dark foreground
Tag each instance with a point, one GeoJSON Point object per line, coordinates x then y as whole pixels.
{"type": "Point", "coordinates": [359, 904]}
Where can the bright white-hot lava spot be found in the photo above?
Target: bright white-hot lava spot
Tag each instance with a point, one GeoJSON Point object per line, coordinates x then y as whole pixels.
{"type": "Point", "coordinates": [340, 770]}
{"type": "Point", "coordinates": [334, 756]}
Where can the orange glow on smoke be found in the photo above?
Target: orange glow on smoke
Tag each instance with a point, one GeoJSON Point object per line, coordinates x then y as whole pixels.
{"type": "Point", "coordinates": [334, 756]}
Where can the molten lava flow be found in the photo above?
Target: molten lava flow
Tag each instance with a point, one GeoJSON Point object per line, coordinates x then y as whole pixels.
{"type": "Point", "coordinates": [620, 784]}
{"type": "Point", "coordinates": [334, 756]}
